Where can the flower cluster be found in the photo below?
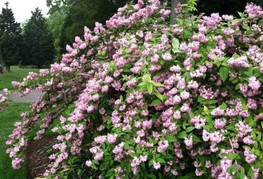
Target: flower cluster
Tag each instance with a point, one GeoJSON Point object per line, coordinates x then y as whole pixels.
{"type": "Point", "coordinates": [140, 98]}
{"type": "Point", "coordinates": [4, 99]}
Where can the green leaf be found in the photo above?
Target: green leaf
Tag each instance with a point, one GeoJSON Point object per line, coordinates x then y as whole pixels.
{"type": "Point", "coordinates": [241, 174]}
{"type": "Point", "coordinates": [233, 168]}
{"type": "Point", "coordinates": [158, 95]}
{"type": "Point", "coordinates": [206, 110]}
{"type": "Point", "coordinates": [150, 88]}
{"type": "Point", "coordinates": [161, 160]}
{"type": "Point", "coordinates": [232, 156]}
{"type": "Point", "coordinates": [182, 135]}
{"type": "Point", "coordinates": [151, 162]}
{"type": "Point", "coordinates": [249, 72]}
{"type": "Point", "coordinates": [244, 106]}
{"type": "Point", "coordinates": [223, 72]}
{"type": "Point", "coordinates": [175, 45]}
{"type": "Point", "coordinates": [171, 138]}
{"type": "Point", "coordinates": [157, 84]}
{"type": "Point", "coordinates": [143, 88]}
{"type": "Point", "coordinates": [195, 138]}
{"type": "Point", "coordinates": [142, 84]}
{"type": "Point", "coordinates": [189, 129]}
{"type": "Point", "coordinates": [151, 176]}
{"type": "Point", "coordinates": [201, 100]}
{"type": "Point", "coordinates": [256, 72]}
{"type": "Point", "coordinates": [251, 173]}
{"type": "Point", "coordinates": [187, 76]}
{"type": "Point", "coordinates": [223, 106]}
{"type": "Point", "coordinates": [155, 102]}
{"type": "Point", "coordinates": [146, 78]}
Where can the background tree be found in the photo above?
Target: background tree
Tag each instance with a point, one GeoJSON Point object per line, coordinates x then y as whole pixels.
{"type": "Point", "coordinates": [58, 11]}
{"type": "Point", "coordinates": [224, 7]}
{"type": "Point", "coordinates": [10, 39]}
{"type": "Point", "coordinates": [68, 17]}
{"type": "Point", "coordinates": [38, 43]}
{"type": "Point", "coordinates": [85, 13]}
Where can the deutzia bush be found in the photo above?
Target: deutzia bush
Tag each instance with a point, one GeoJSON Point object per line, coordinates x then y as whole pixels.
{"type": "Point", "coordinates": [140, 98]}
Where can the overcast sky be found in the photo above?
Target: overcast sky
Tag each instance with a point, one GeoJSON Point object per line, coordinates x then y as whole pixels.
{"type": "Point", "coordinates": [22, 8]}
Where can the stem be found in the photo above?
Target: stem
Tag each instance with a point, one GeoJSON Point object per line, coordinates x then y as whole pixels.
{"type": "Point", "coordinates": [173, 12]}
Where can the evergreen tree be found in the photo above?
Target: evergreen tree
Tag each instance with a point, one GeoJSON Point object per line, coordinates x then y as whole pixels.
{"type": "Point", "coordinates": [10, 39]}
{"type": "Point", "coordinates": [38, 48]}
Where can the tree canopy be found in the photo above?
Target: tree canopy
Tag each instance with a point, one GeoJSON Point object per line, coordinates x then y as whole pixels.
{"type": "Point", "coordinates": [10, 37]}
{"type": "Point", "coordinates": [38, 43]}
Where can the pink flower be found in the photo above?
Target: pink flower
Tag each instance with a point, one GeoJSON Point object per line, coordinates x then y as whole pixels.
{"type": "Point", "coordinates": [238, 62]}
{"type": "Point", "coordinates": [100, 139]}
{"type": "Point", "coordinates": [177, 115]}
{"type": "Point", "coordinates": [248, 140]}
{"type": "Point", "coordinates": [88, 163]}
{"type": "Point", "coordinates": [249, 156]}
{"type": "Point", "coordinates": [253, 83]}
{"type": "Point", "coordinates": [167, 57]}
{"type": "Point", "coordinates": [98, 156]}
{"type": "Point", "coordinates": [156, 165]}
{"type": "Point", "coordinates": [198, 122]}
{"type": "Point", "coordinates": [198, 172]}
{"type": "Point", "coordinates": [184, 95]}
{"type": "Point", "coordinates": [188, 141]}
{"type": "Point", "coordinates": [220, 123]}
{"type": "Point", "coordinates": [227, 17]}
{"type": "Point", "coordinates": [16, 163]}
{"type": "Point", "coordinates": [111, 138]}
{"type": "Point", "coordinates": [163, 145]}
{"type": "Point", "coordinates": [254, 11]}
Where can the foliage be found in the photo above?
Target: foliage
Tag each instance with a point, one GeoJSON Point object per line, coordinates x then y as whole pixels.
{"type": "Point", "coordinates": [58, 11]}
{"type": "Point", "coordinates": [55, 24]}
{"type": "Point", "coordinates": [84, 13]}
{"type": "Point", "coordinates": [142, 99]}
{"type": "Point", "coordinates": [38, 44]}
{"type": "Point", "coordinates": [224, 7]}
{"type": "Point", "coordinates": [10, 37]}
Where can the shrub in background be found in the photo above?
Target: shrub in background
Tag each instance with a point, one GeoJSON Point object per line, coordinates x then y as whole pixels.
{"type": "Point", "coordinates": [142, 99]}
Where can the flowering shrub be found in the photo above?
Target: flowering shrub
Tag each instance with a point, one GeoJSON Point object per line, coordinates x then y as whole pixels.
{"type": "Point", "coordinates": [142, 99]}
{"type": "Point", "coordinates": [4, 99]}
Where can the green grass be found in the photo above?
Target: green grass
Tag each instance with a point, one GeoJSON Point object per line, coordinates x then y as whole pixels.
{"type": "Point", "coordinates": [7, 119]}
{"type": "Point", "coordinates": [16, 74]}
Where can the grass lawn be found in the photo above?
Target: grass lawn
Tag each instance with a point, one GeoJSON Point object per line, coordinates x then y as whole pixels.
{"type": "Point", "coordinates": [7, 119]}
{"type": "Point", "coordinates": [16, 74]}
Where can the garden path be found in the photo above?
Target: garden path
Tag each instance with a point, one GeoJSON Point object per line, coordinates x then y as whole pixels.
{"type": "Point", "coordinates": [31, 97]}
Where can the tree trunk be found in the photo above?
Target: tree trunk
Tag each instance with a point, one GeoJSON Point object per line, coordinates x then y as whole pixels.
{"type": "Point", "coordinates": [173, 12]}
{"type": "Point", "coordinates": [3, 67]}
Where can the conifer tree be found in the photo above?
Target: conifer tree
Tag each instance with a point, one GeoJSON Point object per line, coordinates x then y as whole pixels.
{"type": "Point", "coordinates": [38, 49]}
{"type": "Point", "coordinates": [10, 39]}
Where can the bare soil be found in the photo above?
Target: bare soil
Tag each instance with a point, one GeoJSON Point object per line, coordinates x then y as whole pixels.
{"type": "Point", "coordinates": [37, 155]}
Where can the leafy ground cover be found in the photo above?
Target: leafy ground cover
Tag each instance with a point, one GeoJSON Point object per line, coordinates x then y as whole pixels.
{"type": "Point", "coordinates": [16, 74]}
{"type": "Point", "coordinates": [7, 119]}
